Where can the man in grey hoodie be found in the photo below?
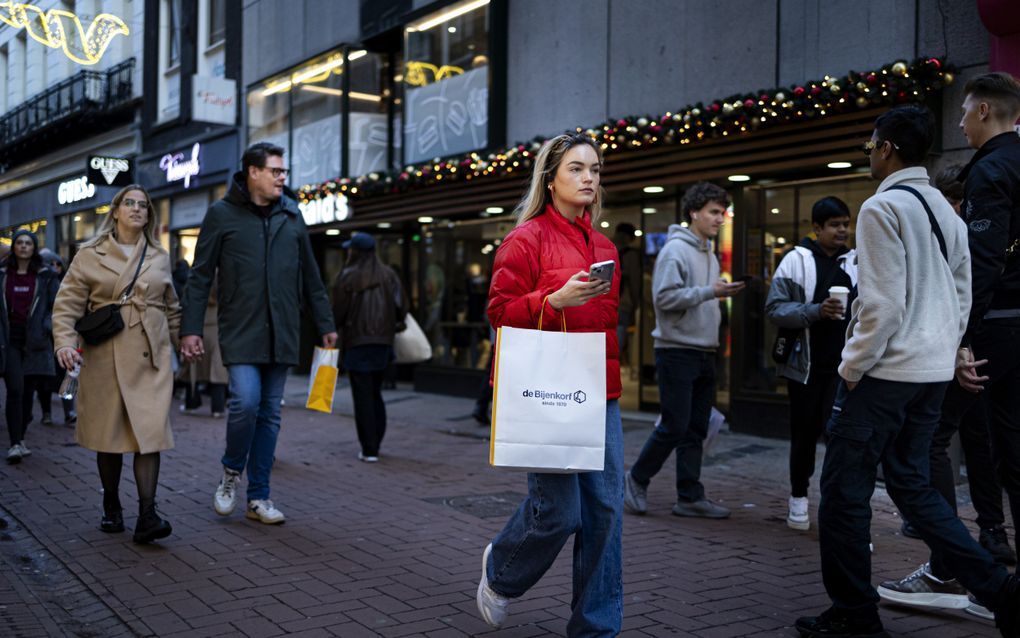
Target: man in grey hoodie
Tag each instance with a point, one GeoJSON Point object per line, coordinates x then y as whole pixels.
{"type": "Point", "coordinates": [685, 292]}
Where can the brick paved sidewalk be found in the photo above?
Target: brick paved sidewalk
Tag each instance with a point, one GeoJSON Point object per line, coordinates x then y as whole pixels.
{"type": "Point", "coordinates": [393, 549]}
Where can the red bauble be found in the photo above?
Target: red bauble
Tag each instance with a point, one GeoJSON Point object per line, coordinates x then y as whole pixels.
{"type": "Point", "coordinates": [798, 91]}
{"type": "Point", "coordinates": [748, 103]}
{"type": "Point", "coordinates": [621, 123]}
{"type": "Point", "coordinates": [763, 97]}
{"type": "Point", "coordinates": [815, 90]}
{"type": "Point", "coordinates": [715, 107]}
{"type": "Point", "coordinates": [872, 78]}
{"type": "Point", "coordinates": [935, 62]}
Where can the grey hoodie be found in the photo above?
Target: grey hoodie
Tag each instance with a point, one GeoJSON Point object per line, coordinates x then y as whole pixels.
{"type": "Point", "coordinates": [686, 310]}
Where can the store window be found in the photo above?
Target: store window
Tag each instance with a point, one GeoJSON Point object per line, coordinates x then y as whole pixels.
{"type": "Point", "coordinates": [37, 226]}
{"type": "Point", "coordinates": [446, 82]}
{"type": "Point", "coordinates": [174, 39]}
{"type": "Point", "coordinates": [779, 217]}
{"type": "Point", "coordinates": [302, 111]}
{"type": "Point", "coordinates": [217, 21]}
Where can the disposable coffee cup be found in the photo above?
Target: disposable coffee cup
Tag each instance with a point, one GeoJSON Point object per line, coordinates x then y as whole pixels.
{"type": "Point", "coordinates": [843, 294]}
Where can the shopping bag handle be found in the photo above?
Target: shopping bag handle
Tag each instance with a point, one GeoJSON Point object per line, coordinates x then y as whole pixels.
{"type": "Point", "coordinates": [541, 313]}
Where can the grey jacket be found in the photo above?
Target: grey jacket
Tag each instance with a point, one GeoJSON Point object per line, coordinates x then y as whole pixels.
{"type": "Point", "coordinates": [788, 305]}
{"type": "Point", "coordinates": [687, 313]}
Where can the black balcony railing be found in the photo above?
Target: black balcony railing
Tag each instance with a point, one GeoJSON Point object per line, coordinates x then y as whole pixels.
{"type": "Point", "coordinates": [86, 93]}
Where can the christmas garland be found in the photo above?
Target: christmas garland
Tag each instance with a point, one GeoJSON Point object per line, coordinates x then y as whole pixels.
{"type": "Point", "coordinates": [895, 83]}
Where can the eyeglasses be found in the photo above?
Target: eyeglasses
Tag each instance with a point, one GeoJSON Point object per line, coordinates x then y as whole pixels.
{"type": "Point", "coordinates": [131, 203]}
{"type": "Point", "coordinates": [277, 172]}
{"type": "Point", "coordinates": [871, 145]}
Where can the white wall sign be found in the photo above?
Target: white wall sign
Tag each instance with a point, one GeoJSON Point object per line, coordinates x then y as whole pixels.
{"type": "Point", "coordinates": [109, 167]}
{"type": "Point", "coordinates": [178, 167]}
{"type": "Point", "coordinates": [331, 208]}
{"type": "Point", "coordinates": [75, 190]}
{"type": "Point", "coordinates": [213, 100]}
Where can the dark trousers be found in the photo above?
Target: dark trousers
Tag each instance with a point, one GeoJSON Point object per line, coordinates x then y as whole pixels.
{"type": "Point", "coordinates": [217, 396]}
{"type": "Point", "coordinates": [686, 395]}
{"type": "Point", "coordinates": [1000, 344]}
{"type": "Point", "coordinates": [20, 390]}
{"type": "Point", "coordinates": [889, 423]}
{"type": "Point", "coordinates": [810, 407]}
{"type": "Point", "coordinates": [369, 409]}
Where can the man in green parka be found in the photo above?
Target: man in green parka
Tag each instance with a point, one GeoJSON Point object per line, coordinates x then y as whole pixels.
{"type": "Point", "coordinates": [254, 241]}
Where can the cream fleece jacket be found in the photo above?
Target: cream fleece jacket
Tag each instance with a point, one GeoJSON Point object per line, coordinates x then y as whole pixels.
{"type": "Point", "coordinates": [912, 307]}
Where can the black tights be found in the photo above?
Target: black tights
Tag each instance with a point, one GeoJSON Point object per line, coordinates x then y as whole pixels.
{"type": "Point", "coordinates": [146, 468]}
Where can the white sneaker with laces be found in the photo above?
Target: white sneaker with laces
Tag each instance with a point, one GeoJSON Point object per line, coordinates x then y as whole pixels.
{"type": "Point", "coordinates": [367, 459]}
{"type": "Point", "coordinates": [24, 449]}
{"type": "Point", "coordinates": [263, 510]}
{"type": "Point", "coordinates": [225, 499]}
{"type": "Point", "coordinates": [491, 605]}
{"type": "Point", "coordinates": [798, 517]}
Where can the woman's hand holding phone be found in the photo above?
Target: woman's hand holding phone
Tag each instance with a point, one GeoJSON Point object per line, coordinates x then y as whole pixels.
{"type": "Point", "coordinates": [577, 291]}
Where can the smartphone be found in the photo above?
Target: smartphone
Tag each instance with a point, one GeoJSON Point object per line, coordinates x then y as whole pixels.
{"type": "Point", "coordinates": [743, 279]}
{"type": "Point", "coordinates": [602, 270]}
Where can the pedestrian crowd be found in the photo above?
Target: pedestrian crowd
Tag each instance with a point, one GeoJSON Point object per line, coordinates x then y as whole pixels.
{"type": "Point", "coordinates": [889, 349]}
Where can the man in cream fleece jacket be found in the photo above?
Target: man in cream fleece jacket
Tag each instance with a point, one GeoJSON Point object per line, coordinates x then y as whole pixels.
{"type": "Point", "coordinates": [685, 293]}
{"type": "Point", "coordinates": [910, 313]}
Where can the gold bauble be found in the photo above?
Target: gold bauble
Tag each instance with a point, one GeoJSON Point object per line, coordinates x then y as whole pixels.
{"type": "Point", "coordinates": [900, 68]}
{"type": "Point", "coordinates": [727, 109]}
{"type": "Point", "coordinates": [861, 86]}
{"type": "Point", "coordinates": [948, 78]}
{"type": "Point", "coordinates": [780, 97]}
{"type": "Point", "coordinates": [862, 102]}
{"type": "Point", "coordinates": [835, 88]}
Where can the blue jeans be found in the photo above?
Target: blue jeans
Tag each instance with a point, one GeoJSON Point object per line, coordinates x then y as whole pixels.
{"type": "Point", "coordinates": [686, 395]}
{"type": "Point", "coordinates": [253, 422]}
{"type": "Point", "coordinates": [889, 423]}
{"type": "Point", "coordinates": [588, 506]}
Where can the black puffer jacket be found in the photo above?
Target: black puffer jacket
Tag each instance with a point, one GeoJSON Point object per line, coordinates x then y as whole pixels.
{"type": "Point", "coordinates": [368, 304]}
{"type": "Point", "coordinates": [991, 208]}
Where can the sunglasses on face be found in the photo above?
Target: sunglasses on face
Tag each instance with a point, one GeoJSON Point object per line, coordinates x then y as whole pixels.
{"type": "Point", "coordinates": [131, 203]}
{"type": "Point", "coordinates": [871, 145]}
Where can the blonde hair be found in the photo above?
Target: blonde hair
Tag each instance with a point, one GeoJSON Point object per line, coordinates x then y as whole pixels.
{"type": "Point", "coordinates": [108, 227]}
{"type": "Point", "coordinates": [547, 162]}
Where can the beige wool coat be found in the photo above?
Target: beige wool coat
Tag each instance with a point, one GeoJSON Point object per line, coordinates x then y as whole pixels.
{"type": "Point", "coordinates": [126, 383]}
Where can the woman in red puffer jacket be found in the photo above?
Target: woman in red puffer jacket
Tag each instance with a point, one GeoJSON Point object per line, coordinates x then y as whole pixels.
{"type": "Point", "coordinates": [542, 268]}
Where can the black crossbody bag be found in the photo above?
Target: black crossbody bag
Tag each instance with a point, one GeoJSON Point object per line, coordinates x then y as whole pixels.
{"type": "Point", "coordinates": [101, 324]}
{"type": "Point", "coordinates": [935, 228]}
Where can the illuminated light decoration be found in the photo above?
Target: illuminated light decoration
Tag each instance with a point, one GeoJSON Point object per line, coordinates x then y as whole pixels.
{"type": "Point", "coordinates": [638, 233]}
{"type": "Point", "coordinates": [445, 16]}
{"type": "Point", "coordinates": [313, 73]}
{"type": "Point", "coordinates": [355, 95]}
{"type": "Point", "coordinates": [177, 168]}
{"type": "Point", "coordinates": [783, 106]}
{"type": "Point", "coordinates": [416, 73]}
{"type": "Point", "coordinates": [604, 224]}
{"type": "Point", "coordinates": [775, 211]}
{"type": "Point", "coordinates": [649, 210]}
{"type": "Point", "coordinates": [494, 210]}
{"type": "Point", "coordinates": [102, 210]}
{"type": "Point", "coordinates": [59, 29]}
{"type": "Point", "coordinates": [383, 225]}
{"type": "Point", "coordinates": [75, 190]}
{"type": "Point", "coordinates": [332, 208]}
{"type": "Point", "coordinates": [425, 219]}
{"type": "Point", "coordinates": [839, 164]}
{"type": "Point", "coordinates": [319, 72]}
{"type": "Point", "coordinates": [333, 232]}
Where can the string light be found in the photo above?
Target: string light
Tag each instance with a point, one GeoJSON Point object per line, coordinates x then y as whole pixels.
{"type": "Point", "coordinates": [60, 29]}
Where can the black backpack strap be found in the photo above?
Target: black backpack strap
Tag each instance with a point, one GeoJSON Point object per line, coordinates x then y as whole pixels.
{"type": "Point", "coordinates": [935, 228]}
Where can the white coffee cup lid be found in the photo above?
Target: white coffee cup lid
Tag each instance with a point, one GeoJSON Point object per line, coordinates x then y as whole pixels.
{"type": "Point", "coordinates": [838, 289]}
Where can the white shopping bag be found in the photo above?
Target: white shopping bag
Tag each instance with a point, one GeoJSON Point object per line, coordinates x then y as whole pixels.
{"type": "Point", "coordinates": [549, 401]}
{"type": "Point", "coordinates": [322, 380]}
{"type": "Point", "coordinates": [410, 345]}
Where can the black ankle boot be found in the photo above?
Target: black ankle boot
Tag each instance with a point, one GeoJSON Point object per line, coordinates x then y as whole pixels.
{"type": "Point", "coordinates": [113, 521]}
{"type": "Point", "coordinates": [149, 526]}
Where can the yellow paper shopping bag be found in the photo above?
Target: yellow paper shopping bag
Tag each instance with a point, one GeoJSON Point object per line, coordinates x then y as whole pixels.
{"type": "Point", "coordinates": [322, 380]}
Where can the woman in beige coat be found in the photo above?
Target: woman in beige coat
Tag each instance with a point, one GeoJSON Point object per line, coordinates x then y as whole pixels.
{"type": "Point", "coordinates": [126, 382]}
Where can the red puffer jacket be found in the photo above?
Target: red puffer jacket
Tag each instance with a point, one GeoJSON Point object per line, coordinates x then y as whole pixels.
{"type": "Point", "coordinates": [535, 260]}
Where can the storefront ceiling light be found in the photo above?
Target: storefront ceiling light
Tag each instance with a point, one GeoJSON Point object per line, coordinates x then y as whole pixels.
{"type": "Point", "coordinates": [839, 165]}
{"type": "Point", "coordinates": [77, 218]}
{"type": "Point", "coordinates": [428, 23]}
{"type": "Point", "coordinates": [781, 240]}
{"type": "Point", "coordinates": [354, 55]}
{"type": "Point", "coordinates": [775, 211]}
{"type": "Point", "coordinates": [653, 189]}
{"type": "Point", "coordinates": [333, 232]}
{"type": "Point", "coordinates": [739, 178]}
{"type": "Point", "coordinates": [383, 225]}
{"type": "Point", "coordinates": [604, 224]}
{"type": "Point", "coordinates": [451, 29]}
{"type": "Point", "coordinates": [494, 210]}
{"type": "Point", "coordinates": [638, 233]}
{"type": "Point", "coordinates": [649, 210]}
{"type": "Point", "coordinates": [317, 70]}
{"type": "Point", "coordinates": [355, 95]}
{"type": "Point", "coordinates": [425, 219]}
{"type": "Point", "coordinates": [280, 87]}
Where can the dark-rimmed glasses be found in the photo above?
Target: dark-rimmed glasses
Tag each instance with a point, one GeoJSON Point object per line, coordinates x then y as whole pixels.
{"type": "Point", "coordinates": [277, 172]}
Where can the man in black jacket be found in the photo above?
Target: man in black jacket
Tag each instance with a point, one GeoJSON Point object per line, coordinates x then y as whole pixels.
{"type": "Point", "coordinates": [988, 362]}
{"type": "Point", "coordinates": [255, 242]}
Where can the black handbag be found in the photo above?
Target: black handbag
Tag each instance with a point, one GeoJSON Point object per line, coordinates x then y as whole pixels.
{"type": "Point", "coordinates": [101, 324]}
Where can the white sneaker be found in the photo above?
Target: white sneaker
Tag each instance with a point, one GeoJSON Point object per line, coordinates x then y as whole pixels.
{"type": "Point", "coordinates": [367, 459]}
{"type": "Point", "coordinates": [225, 499]}
{"type": "Point", "coordinates": [14, 454]}
{"type": "Point", "coordinates": [491, 605]}
{"type": "Point", "coordinates": [977, 609]}
{"type": "Point", "coordinates": [24, 449]}
{"type": "Point", "coordinates": [263, 510]}
{"type": "Point", "coordinates": [798, 517]}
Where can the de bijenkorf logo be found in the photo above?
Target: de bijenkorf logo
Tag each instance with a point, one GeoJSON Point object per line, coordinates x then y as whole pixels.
{"type": "Point", "coordinates": [577, 396]}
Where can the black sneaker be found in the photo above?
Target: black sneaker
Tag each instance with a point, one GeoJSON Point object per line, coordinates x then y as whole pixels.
{"type": "Point", "coordinates": [832, 624]}
{"type": "Point", "coordinates": [908, 530]}
{"type": "Point", "coordinates": [1007, 617]}
{"type": "Point", "coordinates": [997, 544]}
